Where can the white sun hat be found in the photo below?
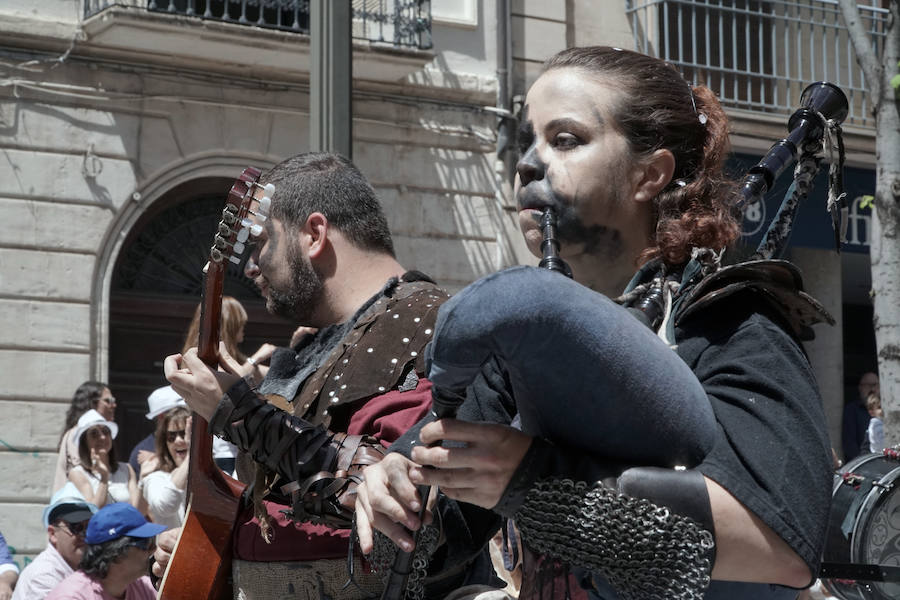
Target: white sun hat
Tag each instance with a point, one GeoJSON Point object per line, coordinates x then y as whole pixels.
{"type": "Point", "coordinates": [92, 418]}
{"type": "Point", "coordinates": [163, 399]}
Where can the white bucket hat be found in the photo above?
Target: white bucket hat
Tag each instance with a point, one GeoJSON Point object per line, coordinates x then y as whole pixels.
{"type": "Point", "coordinates": [92, 418]}
{"type": "Point", "coordinates": [163, 399]}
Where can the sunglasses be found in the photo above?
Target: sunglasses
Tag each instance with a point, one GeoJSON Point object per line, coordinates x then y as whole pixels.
{"type": "Point", "coordinates": [171, 436]}
{"type": "Point", "coordinates": [144, 543]}
{"type": "Point", "coordinates": [75, 529]}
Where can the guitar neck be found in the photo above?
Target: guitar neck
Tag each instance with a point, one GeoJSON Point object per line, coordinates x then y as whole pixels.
{"type": "Point", "coordinates": [202, 466]}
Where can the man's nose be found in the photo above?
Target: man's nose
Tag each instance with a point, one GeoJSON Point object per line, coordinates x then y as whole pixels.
{"type": "Point", "coordinates": [530, 167]}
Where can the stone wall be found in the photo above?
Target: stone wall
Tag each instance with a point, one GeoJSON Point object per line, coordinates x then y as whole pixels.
{"type": "Point", "coordinates": [91, 142]}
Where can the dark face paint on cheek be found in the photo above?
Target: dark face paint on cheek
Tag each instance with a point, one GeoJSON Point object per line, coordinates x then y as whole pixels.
{"type": "Point", "coordinates": [597, 240]}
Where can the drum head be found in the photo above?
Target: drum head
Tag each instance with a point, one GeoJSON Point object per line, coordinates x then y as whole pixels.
{"type": "Point", "coordinates": [878, 526]}
{"type": "Point", "coordinates": [864, 524]}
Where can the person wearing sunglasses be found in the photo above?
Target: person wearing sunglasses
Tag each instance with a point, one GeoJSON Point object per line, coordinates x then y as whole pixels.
{"type": "Point", "coordinates": [119, 542]}
{"type": "Point", "coordinates": [66, 519]}
{"type": "Point", "coordinates": [163, 486]}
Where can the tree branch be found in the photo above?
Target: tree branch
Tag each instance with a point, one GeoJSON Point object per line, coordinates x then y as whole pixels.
{"type": "Point", "coordinates": [862, 45]}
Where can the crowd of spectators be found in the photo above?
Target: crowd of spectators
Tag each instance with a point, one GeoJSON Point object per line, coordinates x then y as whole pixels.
{"type": "Point", "coordinates": [105, 512]}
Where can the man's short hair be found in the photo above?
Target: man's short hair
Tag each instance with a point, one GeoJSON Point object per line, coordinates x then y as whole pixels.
{"type": "Point", "coordinates": [98, 558]}
{"type": "Point", "coordinates": [332, 185]}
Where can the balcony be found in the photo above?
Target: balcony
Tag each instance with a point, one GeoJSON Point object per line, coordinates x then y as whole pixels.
{"type": "Point", "coordinates": [758, 55]}
{"type": "Point", "coordinates": [400, 23]}
{"type": "Point", "coordinates": [265, 39]}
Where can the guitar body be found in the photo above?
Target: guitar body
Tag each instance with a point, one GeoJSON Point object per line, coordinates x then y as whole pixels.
{"type": "Point", "coordinates": [201, 562]}
{"type": "Point", "coordinates": [200, 566]}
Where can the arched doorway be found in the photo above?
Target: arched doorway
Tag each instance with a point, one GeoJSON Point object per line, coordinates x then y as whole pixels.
{"type": "Point", "coordinates": [155, 288]}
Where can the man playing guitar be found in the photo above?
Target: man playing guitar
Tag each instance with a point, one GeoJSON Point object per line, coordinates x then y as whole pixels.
{"type": "Point", "coordinates": [323, 258]}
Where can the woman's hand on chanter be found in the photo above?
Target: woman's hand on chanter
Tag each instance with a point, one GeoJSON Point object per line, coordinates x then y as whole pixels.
{"type": "Point", "coordinates": [479, 471]}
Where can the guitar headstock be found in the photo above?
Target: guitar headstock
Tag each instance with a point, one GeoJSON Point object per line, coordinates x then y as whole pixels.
{"type": "Point", "coordinates": [236, 228]}
{"type": "Point", "coordinates": [229, 244]}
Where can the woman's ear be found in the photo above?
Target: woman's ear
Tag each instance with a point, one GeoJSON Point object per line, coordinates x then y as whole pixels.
{"type": "Point", "coordinates": [653, 174]}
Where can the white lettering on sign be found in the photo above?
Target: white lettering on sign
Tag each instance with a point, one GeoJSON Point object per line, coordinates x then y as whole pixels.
{"type": "Point", "coordinates": [754, 217]}
{"type": "Point", "coordinates": [858, 225]}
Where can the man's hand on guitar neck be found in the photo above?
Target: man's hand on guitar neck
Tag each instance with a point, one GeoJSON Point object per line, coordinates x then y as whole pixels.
{"type": "Point", "coordinates": [201, 385]}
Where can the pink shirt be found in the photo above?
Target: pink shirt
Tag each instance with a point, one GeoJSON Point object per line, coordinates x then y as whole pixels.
{"type": "Point", "coordinates": [41, 575]}
{"type": "Point", "coordinates": [79, 586]}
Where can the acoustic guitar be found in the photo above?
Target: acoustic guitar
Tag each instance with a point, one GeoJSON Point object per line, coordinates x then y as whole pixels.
{"type": "Point", "coordinates": [200, 565]}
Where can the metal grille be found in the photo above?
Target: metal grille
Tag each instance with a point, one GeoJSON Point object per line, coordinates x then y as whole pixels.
{"type": "Point", "coordinates": [757, 54]}
{"type": "Point", "coordinates": [405, 23]}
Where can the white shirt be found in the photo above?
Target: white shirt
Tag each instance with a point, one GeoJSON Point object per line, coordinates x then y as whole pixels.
{"type": "Point", "coordinates": [223, 448]}
{"type": "Point", "coordinates": [117, 487]}
{"type": "Point", "coordinates": [166, 502]}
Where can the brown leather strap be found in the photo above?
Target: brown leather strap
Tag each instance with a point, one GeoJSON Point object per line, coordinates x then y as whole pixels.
{"type": "Point", "coordinates": [325, 497]}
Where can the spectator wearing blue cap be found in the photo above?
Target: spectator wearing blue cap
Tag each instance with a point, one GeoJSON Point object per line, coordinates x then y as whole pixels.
{"type": "Point", "coordinates": [66, 519]}
{"type": "Point", "coordinates": [119, 544]}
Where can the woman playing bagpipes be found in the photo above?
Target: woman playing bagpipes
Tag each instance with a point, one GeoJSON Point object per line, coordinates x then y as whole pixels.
{"type": "Point", "coordinates": [613, 466]}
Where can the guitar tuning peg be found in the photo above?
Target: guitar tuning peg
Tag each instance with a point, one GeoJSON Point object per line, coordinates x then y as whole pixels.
{"type": "Point", "coordinates": [268, 190]}
{"type": "Point", "coordinates": [264, 204]}
{"type": "Point", "coordinates": [238, 247]}
{"type": "Point", "coordinates": [243, 234]}
{"type": "Point", "coordinates": [256, 230]}
{"type": "Point", "coordinates": [235, 260]}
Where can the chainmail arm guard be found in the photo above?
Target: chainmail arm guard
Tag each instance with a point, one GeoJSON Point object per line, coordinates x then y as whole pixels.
{"type": "Point", "coordinates": [643, 550]}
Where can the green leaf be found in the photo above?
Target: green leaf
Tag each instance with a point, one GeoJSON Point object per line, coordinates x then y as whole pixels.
{"type": "Point", "coordinates": [866, 202]}
{"type": "Point", "coordinates": [895, 81]}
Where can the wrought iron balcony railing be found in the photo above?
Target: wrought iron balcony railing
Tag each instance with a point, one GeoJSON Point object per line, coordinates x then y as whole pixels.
{"type": "Point", "coordinates": [758, 54]}
{"type": "Point", "coordinates": [402, 23]}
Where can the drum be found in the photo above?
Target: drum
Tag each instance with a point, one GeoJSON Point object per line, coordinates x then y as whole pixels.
{"type": "Point", "coordinates": [864, 524]}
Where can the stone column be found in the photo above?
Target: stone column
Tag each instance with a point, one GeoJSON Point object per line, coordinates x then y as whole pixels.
{"type": "Point", "coordinates": [822, 280]}
{"type": "Point", "coordinates": [330, 77]}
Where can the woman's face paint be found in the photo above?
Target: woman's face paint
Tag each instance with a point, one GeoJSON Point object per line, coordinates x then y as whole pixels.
{"type": "Point", "coordinates": [574, 160]}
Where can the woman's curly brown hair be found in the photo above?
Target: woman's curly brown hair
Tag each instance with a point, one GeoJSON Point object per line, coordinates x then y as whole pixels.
{"type": "Point", "coordinates": [660, 110]}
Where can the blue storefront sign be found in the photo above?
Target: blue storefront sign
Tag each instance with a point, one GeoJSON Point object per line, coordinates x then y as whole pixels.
{"type": "Point", "coordinates": [812, 227]}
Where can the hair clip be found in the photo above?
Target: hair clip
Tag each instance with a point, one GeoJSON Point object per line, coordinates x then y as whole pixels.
{"type": "Point", "coordinates": [703, 118]}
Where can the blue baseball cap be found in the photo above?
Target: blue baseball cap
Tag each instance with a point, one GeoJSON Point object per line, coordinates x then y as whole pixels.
{"type": "Point", "coordinates": [117, 520]}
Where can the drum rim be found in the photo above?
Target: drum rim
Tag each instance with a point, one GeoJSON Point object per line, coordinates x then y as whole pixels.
{"type": "Point", "coordinates": [856, 462]}
{"type": "Point", "coordinates": [849, 552]}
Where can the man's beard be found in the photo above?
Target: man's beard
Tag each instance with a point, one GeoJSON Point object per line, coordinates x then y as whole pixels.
{"type": "Point", "coordinates": [298, 303]}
